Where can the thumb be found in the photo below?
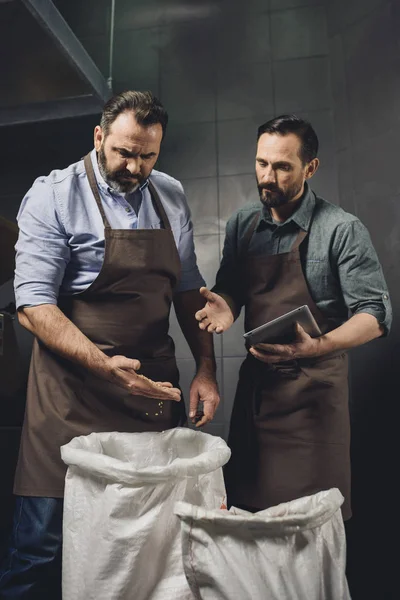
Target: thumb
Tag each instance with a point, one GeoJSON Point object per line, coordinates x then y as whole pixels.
{"type": "Point", "coordinates": [193, 403]}
{"type": "Point", "coordinates": [209, 296]}
{"type": "Point", "coordinates": [300, 333]}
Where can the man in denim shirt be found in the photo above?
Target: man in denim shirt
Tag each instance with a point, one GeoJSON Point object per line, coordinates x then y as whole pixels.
{"type": "Point", "coordinates": [290, 433]}
{"type": "Point", "coordinates": [105, 246]}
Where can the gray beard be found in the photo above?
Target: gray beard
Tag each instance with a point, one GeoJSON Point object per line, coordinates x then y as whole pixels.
{"type": "Point", "coordinates": [115, 185]}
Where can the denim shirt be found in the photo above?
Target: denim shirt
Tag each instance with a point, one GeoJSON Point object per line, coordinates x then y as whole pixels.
{"type": "Point", "coordinates": [339, 262]}
{"type": "Point", "coordinates": [60, 249]}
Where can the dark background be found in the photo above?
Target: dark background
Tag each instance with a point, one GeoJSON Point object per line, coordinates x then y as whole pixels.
{"type": "Point", "coordinates": [222, 68]}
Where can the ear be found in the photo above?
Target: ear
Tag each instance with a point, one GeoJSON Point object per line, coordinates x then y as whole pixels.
{"type": "Point", "coordinates": [312, 168]}
{"type": "Point", "coordinates": [98, 137]}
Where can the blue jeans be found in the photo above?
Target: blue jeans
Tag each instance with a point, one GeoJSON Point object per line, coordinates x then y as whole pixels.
{"type": "Point", "coordinates": [31, 568]}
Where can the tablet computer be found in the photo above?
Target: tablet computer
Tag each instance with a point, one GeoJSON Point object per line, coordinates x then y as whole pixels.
{"type": "Point", "coordinates": [282, 329]}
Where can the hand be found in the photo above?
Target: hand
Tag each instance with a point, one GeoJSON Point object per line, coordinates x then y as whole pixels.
{"type": "Point", "coordinates": [122, 371]}
{"type": "Point", "coordinates": [303, 347]}
{"type": "Point", "coordinates": [204, 389]}
{"type": "Point", "coordinates": [216, 314]}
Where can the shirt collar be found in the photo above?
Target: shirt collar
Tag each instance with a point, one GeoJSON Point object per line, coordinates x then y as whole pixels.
{"type": "Point", "coordinates": [301, 216]}
{"type": "Point", "coordinates": [99, 178]}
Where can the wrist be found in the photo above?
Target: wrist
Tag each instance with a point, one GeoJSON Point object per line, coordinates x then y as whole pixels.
{"type": "Point", "coordinates": [324, 345]}
{"type": "Point", "coordinates": [206, 365]}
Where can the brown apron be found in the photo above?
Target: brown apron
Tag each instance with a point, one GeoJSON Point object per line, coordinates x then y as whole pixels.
{"type": "Point", "coordinates": [125, 311]}
{"type": "Point", "coordinates": [290, 426]}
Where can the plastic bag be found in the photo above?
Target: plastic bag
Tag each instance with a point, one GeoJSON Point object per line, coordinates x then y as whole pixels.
{"type": "Point", "coordinates": [121, 537]}
{"type": "Point", "coordinates": [293, 551]}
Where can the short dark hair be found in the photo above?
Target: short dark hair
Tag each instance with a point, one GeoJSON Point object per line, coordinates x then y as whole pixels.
{"type": "Point", "coordinates": [285, 124]}
{"type": "Point", "coordinates": [147, 109]}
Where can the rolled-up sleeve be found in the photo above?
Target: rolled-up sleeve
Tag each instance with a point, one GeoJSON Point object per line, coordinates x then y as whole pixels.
{"type": "Point", "coordinates": [360, 273]}
{"type": "Point", "coordinates": [42, 247]}
{"type": "Point", "coordinates": [191, 278]}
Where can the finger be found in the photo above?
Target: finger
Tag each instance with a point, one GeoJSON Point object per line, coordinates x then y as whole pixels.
{"type": "Point", "coordinates": [204, 324]}
{"type": "Point", "coordinates": [200, 315]}
{"type": "Point", "coordinates": [209, 296]}
{"type": "Point", "coordinates": [212, 327]}
{"type": "Point", "coordinates": [164, 384]}
{"type": "Point", "coordinates": [122, 362]}
{"type": "Point", "coordinates": [265, 357]}
{"type": "Point", "coordinates": [193, 403]}
{"type": "Point", "coordinates": [301, 335]}
{"type": "Point", "coordinates": [146, 387]}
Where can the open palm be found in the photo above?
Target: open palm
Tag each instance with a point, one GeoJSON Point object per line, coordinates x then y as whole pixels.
{"type": "Point", "coordinates": [216, 316]}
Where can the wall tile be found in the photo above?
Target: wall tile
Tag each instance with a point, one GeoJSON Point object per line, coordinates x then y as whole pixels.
{"type": "Point", "coordinates": [243, 37]}
{"type": "Point", "coordinates": [235, 191]}
{"type": "Point", "coordinates": [189, 151]}
{"type": "Point", "coordinates": [207, 251]}
{"type": "Point", "coordinates": [189, 48]}
{"type": "Point", "coordinates": [342, 13]}
{"type": "Point", "coordinates": [237, 145]}
{"type": "Point", "coordinates": [282, 4]}
{"type": "Point", "coordinates": [136, 54]}
{"type": "Point", "coordinates": [135, 14]}
{"type": "Point", "coordinates": [202, 196]}
{"type": "Point", "coordinates": [188, 98]}
{"type": "Point", "coordinates": [373, 84]}
{"type": "Point", "coordinates": [302, 84]}
{"type": "Point", "coordinates": [339, 91]}
{"type": "Point", "coordinates": [325, 183]}
{"type": "Point", "coordinates": [299, 32]}
{"type": "Point", "coordinates": [344, 159]}
{"type": "Point", "coordinates": [245, 91]}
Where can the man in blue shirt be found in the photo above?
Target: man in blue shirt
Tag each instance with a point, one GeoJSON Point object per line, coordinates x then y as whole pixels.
{"type": "Point", "coordinates": [105, 246]}
{"type": "Point", "coordinates": [290, 432]}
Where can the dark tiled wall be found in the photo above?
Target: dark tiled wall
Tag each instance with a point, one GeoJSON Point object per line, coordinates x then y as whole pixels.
{"type": "Point", "coordinates": [221, 68]}
{"type": "Point", "coordinates": [364, 44]}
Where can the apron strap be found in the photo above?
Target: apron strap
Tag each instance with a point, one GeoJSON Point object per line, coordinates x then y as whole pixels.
{"type": "Point", "coordinates": [301, 236]}
{"type": "Point", "coordinates": [159, 208]}
{"type": "Point", "coordinates": [249, 233]}
{"type": "Point", "coordinates": [87, 161]}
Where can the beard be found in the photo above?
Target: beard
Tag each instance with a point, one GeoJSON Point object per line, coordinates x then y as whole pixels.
{"type": "Point", "coordinates": [121, 181]}
{"type": "Point", "coordinates": [273, 196]}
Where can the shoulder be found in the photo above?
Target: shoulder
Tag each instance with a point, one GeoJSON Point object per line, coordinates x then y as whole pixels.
{"type": "Point", "coordinates": [165, 183]}
{"type": "Point", "coordinates": [331, 222]}
{"type": "Point", "coordinates": [333, 217]}
{"type": "Point", "coordinates": [243, 216]}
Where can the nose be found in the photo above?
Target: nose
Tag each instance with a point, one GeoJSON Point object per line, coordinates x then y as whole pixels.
{"type": "Point", "coordinates": [133, 165]}
{"type": "Point", "coordinates": [268, 175]}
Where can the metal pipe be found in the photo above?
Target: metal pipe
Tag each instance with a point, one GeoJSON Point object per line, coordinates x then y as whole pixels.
{"type": "Point", "coordinates": [112, 27]}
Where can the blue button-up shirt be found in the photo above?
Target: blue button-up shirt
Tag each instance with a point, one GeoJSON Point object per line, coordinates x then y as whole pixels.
{"type": "Point", "coordinates": [60, 249]}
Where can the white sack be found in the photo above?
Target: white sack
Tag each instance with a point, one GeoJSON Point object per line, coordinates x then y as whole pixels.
{"type": "Point", "coordinates": [293, 551]}
{"type": "Point", "coordinates": [121, 538]}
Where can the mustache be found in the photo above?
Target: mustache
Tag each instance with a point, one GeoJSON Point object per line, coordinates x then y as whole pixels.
{"type": "Point", "coordinates": [269, 188]}
{"type": "Point", "coordinates": [128, 175]}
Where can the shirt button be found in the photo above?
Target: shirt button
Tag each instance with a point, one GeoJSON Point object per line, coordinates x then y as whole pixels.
{"type": "Point", "coordinates": [385, 296]}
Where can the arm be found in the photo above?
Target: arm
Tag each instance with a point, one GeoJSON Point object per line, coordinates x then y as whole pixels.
{"type": "Point", "coordinates": [58, 333]}
{"type": "Point", "coordinates": [365, 292]}
{"type": "Point", "coordinates": [204, 386]}
{"type": "Point", "coordinates": [42, 256]}
{"type": "Point", "coordinates": [224, 301]}
{"type": "Point", "coordinates": [359, 329]}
